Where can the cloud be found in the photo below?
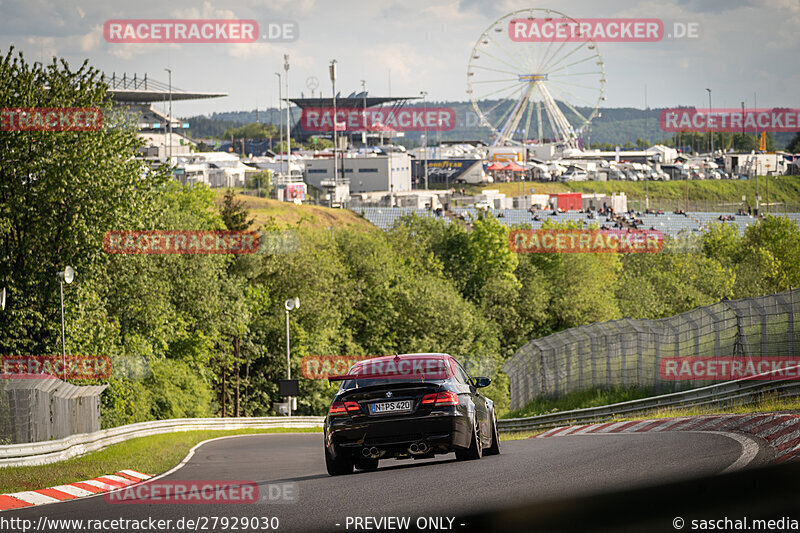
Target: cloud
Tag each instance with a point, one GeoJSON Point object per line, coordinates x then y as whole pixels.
{"type": "Point", "coordinates": [91, 40]}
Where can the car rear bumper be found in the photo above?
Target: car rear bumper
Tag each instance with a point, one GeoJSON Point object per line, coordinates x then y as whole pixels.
{"type": "Point", "coordinates": [392, 435]}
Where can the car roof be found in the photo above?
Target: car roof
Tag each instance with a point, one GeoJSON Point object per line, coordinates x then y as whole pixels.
{"type": "Point", "coordinates": [409, 356]}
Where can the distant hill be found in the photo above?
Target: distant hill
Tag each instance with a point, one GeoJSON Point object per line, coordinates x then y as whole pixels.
{"type": "Point", "coordinates": [613, 125]}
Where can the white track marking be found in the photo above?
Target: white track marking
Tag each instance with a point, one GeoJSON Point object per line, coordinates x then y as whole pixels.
{"type": "Point", "coordinates": [75, 491]}
{"type": "Point", "coordinates": [33, 497]}
{"type": "Point", "coordinates": [112, 477]}
{"type": "Point", "coordinates": [134, 473]}
{"type": "Point", "coordinates": [98, 484]}
{"type": "Point", "coordinates": [749, 445]}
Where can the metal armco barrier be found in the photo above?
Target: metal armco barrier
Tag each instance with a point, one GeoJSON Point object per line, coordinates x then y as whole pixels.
{"type": "Point", "coordinates": [40, 453]}
{"type": "Point", "coordinates": [729, 391]}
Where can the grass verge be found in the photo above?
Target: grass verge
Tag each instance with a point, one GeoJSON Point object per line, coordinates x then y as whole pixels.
{"type": "Point", "coordinates": [150, 455]}
{"type": "Point", "coordinates": [287, 214]}
{"type": "Point", "coordinates": [765, 403]}
{"type": "Point", "coordinates": [580, 400]}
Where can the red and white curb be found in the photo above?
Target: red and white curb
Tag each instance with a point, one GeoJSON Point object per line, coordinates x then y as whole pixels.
{"type": "Point", "coordinates": [781, 432]}
{"type": "Point", "coordinates": [71, 491]}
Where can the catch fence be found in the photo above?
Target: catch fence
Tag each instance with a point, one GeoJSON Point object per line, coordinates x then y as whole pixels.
{"type": "Point", "coordinates": [628, 353]}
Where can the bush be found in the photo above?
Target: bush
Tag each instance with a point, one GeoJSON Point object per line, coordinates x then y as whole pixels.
{"type": "Point", "coordinates": [177, 391]}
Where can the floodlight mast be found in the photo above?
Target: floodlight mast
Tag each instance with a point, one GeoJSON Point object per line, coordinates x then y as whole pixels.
{"type": "Point", "coordinates": [288, 116]}
{"type": "Point", "coordinates": [332, 71]}
{"type": "Point", "coordinates": [68, 275]}
{"type": "Point", "coordinates": [289, 305]}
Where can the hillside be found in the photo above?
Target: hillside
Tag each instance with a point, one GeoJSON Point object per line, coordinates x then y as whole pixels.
{"type": "Point", "coordinates": [613, 125]}
{"type": "Point", "coordinates": [287, 214]}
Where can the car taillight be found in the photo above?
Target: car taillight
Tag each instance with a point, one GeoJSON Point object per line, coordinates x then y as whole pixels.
{"type": "Point", "coordinates": [337, 408]}
{"type": "Point", "coordinates": [446, 398]}
{"type": "Point", "coordinates": [443, 398]}
{"type": "Point", "coordinates": [344, 408]}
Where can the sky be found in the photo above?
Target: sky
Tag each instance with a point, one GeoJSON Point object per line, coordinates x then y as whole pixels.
{"type": "Point", "coordinates": [747, 50]}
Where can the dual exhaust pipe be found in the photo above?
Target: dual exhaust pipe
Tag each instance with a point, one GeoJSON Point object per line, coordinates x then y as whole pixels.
{"type": "Point", "coordinates": [417, 448]}
{"type": "Point", "coordinates": [372, 453]}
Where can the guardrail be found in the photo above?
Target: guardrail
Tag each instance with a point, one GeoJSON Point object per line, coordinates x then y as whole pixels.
{"type": "Point", "coordinates": [40, 453]}
{"type": "Point", "coordinates": [741, 389]}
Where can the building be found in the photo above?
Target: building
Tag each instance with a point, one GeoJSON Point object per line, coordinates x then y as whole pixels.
{"type": "Point", "coordinates": [134, 98]}
{"type": "Point", "coordinates": [449, 171]}
{"type": "Point", "coordinates": [366, 173]}
{"type": "Point", "coordinates": [347, 106]}
{"type": "Point", "coordinates": [763, 164]}
{"type": "Point", "coordinates": [215, 169]}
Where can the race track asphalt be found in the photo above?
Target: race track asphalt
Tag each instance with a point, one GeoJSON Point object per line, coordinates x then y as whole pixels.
{"type": "Point", "coordinates": [529, 470]}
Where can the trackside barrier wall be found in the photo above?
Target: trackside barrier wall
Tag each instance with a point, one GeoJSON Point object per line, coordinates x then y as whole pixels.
{"type": "Point", "coordinates": [627, 353]}
{"type": "Point", "coordinates": [39, 453]}
{"type": "Point", "coordinates": [47, 408]}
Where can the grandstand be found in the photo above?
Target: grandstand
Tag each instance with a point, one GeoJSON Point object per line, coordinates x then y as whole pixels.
{"type": "Point", "coordinates": [670, 224]}
{"type": "Point", "coordinates": [385, 217]}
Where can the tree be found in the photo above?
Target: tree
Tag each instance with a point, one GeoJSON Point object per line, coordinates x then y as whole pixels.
{"type": "Point", "coordinates": [254, 130]}
{"type": "Point", "coordinates": [794, 144]}
{"type": "Point", "coordinates": [59, 192]}
{"type": "Point", "coordinates": [235, 213]}
{"type": "Point", "coordinates": [658, 285]}
{"type": "Point", "coordinates": [768, 261]}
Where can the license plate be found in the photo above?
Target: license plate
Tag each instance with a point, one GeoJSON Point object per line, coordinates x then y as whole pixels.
{"type": "Point", "coordinates": [390, 407]}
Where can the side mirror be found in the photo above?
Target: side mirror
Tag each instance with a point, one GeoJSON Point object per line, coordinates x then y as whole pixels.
{"type": "Point", "coordinates": [479, 383]}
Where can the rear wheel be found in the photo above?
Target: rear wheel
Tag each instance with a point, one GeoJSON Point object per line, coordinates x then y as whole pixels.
{"type": "Point", "coordinates": [340, 466]}
{"type": "Point", "coordinates": [494, 449]}
{"type": "Point", "coordinates": [366, 464]}
{"type": "Point", "coordinates": [475, 450]}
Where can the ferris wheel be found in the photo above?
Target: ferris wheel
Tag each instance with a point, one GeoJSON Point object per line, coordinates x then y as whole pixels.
{"type": "Point", "coordinates": [525, 91]}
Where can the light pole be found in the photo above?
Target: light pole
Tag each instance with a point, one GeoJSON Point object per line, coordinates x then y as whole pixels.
{"type": "Point", "coordinates": [743, 122]}
{"type": "Point", "coordinates": [280, 114]}
{"type": "Point", "coordinates": [288, 117]}
{"type": "Point", "coordinates": [67, 276]}
{"type": "Point", "coordinates": [710, 131]}
{"type": "Point", "coordinates": [289, 305]}
{"type": "Point", "coordinates": [425, 136]}
{"type": "Point", "coordinates": [3, 299]}
{"type": "Point", "coordinates": [364, 113]}
{"type": "Point", "coordinates": [332, 71]}
{"type": "Point", "coordinates": [169, 120]}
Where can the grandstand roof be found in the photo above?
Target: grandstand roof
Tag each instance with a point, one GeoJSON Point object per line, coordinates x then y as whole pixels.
{"type": "Point", "coordinates": [135, 89]}
{"type": "Point", "coordinates": [349, 101]}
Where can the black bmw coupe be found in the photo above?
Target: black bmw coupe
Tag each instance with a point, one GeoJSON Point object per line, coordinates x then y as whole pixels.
{"type": "Point", "coordinates": [407, 406]}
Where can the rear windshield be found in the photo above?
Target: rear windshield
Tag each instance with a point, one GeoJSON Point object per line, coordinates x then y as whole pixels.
{"type": "Point", "coordinates": [385, 371]}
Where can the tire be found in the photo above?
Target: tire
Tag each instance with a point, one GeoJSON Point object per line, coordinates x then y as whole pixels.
{"type": "Point", "coordinates": [341, 466]}
{"type": "Point", "coordinates": [475, 450]}
{"type": "Point", "coordinates": [366, 464]}
{"type": "Point", "coordinates": [494, 449]}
